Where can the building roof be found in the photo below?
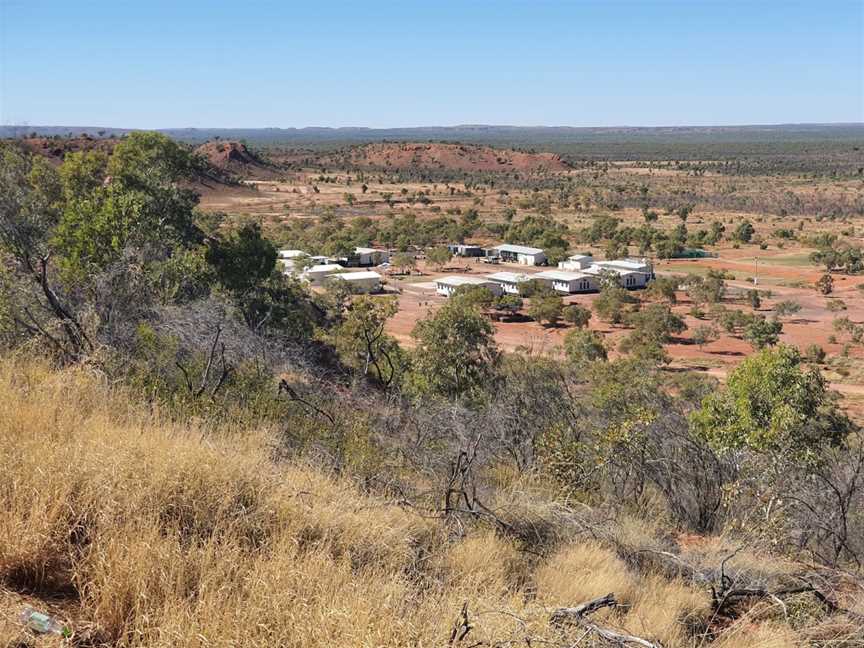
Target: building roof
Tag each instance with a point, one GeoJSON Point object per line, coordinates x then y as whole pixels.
{"type": "Point", "coordinates": [461, 280]}
{"type": "Point", "coordinates": [579, 257]}
{"type": "Point", "coordinates": [597, 269]}
{"type": "Point", "coordinates": [625, 264]}
{"type": "Point", "coordinates": [359, 276]}
{"type": "Point", "coordinates": [508, 277]}
{"type": "Point", "coordinates": [325, 267]}
{"type": "Point", "coordinates": [517, 249]}
{"type": "Point", "coordinates": [560, 275]}
{"type": "Point", "coordinates": [291, 254]}
{"type": "Point", "coordinates": [365, 250]}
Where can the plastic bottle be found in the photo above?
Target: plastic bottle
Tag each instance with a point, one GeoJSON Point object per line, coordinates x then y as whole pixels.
{"type": "Point", "coordinates": [42, 623]}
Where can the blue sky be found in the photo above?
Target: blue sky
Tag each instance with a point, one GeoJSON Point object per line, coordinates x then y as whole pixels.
{"type": "Point", "coordinates": [155, 63]}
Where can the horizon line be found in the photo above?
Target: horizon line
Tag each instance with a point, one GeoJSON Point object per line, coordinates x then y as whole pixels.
{"type": "Point", "coordinates": [422, 127]}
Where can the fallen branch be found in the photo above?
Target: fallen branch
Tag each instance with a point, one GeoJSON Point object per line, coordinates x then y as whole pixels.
{"type": "Point", "coordinates": [578, 615]}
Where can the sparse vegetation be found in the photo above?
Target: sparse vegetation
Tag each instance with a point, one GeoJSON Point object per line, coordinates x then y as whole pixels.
{"type": "Point", "coordinates": [221, 454]}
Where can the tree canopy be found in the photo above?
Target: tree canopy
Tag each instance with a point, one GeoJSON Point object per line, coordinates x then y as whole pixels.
{"type": "Point", "coordinates": [771, 402]}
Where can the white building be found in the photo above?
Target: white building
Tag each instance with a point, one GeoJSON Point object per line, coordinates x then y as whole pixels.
{"type": "Point", "coordinates": [509, 281]}
{"type": "Point", "coordinates": [288, 260]}
{"type": "Point", "coordinates": [576, 262]}
{"type": "Point", "coordinates": [568, 282]}
{"type": "Point", "coordinates": [316, 274]}
{"type": "Point", "coordinates": [369, 256]}
{"type": "Point", "coordinates": [365, 281]}
{"type": "Point", "coordinates": [519, 254]}
{"type": "Point", "coordinates": [635, 265]}
{"type": "Point", "coordinates": [448, 285]}
{"type": "Point", "coordinates": [291, 254]}
{"type": "Point", "coordinates": [632, 273]}
{"type": "Point", "coordinates": [629, 279]}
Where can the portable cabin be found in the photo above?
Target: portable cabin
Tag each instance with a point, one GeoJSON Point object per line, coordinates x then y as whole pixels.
{"type": "Point", "coordinates": [576, 262]}
{"type": "Point", "coordinates": [509, 281]}
{"type": "Point", "coordinates": [316, 274]}
{"type": "Point", "coordinates": [568, 282]}
{"type": "Point", "coordinates": [365, 281]}
{"type": "Point", "coordinates": [446, 286]}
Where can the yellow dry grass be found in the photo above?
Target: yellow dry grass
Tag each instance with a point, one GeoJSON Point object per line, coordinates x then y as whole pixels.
{"type": "Point", "coordinates": [142, 533]}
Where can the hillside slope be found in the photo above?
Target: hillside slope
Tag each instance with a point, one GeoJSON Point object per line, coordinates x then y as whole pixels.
{"type": "Point", "coordinates": [138, 532]}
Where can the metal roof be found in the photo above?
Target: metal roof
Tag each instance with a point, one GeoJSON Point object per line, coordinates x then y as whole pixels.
{"type": "Point", "coordinates": [561, 275]}
{"type": "Point", "coordinates": [508, 277]}
{"type": "Point", "coordinates": [625, 264]}
{"type": "Point", "coordinates": [597, 269]}
{"type": "Point", "coordinates": [291, 254]}
{"type": "Point", "coordinates": [357, 276]}
{"type": "Point", "coordinates": [517, 249]}
{"type": "Point", "coordinates": [326, 267]}
{"type": "Point", "coordinates": [460, 280]}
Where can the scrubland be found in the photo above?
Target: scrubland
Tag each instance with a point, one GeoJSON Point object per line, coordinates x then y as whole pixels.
{"type": "Point", "coordinates": [199, 449]}
{"type": "Point", "coordinates": [142, 532]}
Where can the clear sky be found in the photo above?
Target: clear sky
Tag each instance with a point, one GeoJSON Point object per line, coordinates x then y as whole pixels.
{"type": "Point", "coordinates": [253, 63]}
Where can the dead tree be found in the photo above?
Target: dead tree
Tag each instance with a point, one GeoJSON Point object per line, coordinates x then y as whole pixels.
{"type": "Point", "coordinates": [460, 492]}
{"type": "Point", "coordinates": [204, 383]}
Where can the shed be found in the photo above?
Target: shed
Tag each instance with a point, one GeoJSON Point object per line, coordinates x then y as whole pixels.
{"type": "Point", "coordinates": [519, 254]}
{"type": "Point", "coordinates": [466, 250]}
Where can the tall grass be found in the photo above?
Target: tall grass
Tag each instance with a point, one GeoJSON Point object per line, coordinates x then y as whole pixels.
{"type": "Point", "coordinates": [144, 533]}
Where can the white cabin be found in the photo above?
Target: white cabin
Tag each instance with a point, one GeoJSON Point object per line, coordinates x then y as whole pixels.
{"type": "Point", "coordinates": [632, 273]}
{"type": "Point", "coordinates": [576, 262]}
{"type": "Point", "coordinates": [629, 279]}
{"type": "Point", "coordinates": [446, 286]}
{"type": "Point", "coordinates": [291, 254]}
{"type": "Point", "coordinates": [568, 282]}
{"type": "Point", "coordinates": [316, 274]}
{"type": "Point", "coordinates": [370, 256]}
{"type": "Point", "coordinates": [360, 282]}
{"type": "Point", "coordinates": [509, 281]}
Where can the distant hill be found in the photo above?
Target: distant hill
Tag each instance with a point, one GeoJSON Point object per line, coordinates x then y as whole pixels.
{"type": "Point", "coordinates": [224, 162]}
{"type": "Point", "coordinates": [234, 159]}
{"type": "Point", "coordinates": [445, 157]}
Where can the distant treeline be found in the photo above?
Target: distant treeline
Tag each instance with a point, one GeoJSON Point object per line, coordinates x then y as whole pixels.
{"type": "Point", "coordinates": [662, 142]}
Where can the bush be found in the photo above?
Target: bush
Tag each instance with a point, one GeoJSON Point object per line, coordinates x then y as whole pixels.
{"type": "Point", "coordinates": [584, 346]}
{"type": "Point", "coordinates": [814, 354]}
{"type": "Point", "coordinates": [578, 316]}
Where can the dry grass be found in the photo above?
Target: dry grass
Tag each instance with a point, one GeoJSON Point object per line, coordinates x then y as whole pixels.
{"type": "Point", "coordinates": [141, 533]}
